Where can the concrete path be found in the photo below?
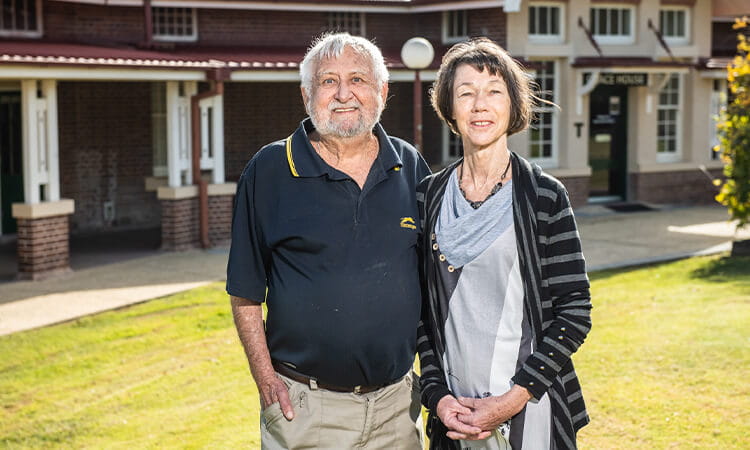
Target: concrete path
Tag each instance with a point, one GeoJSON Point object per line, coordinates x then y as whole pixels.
{"type": "Point", "coordinates": [610, 240]}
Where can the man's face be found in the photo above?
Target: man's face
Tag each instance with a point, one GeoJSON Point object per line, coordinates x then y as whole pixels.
{"type": "Point", "coordinates": [345, 100]}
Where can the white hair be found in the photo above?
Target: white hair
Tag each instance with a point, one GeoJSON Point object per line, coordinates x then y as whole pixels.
{"type": "Point", "coordinates": [332, 45]}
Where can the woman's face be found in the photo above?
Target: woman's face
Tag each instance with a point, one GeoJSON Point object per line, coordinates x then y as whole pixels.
{"type": "Point", "coordinates": [481, 106]}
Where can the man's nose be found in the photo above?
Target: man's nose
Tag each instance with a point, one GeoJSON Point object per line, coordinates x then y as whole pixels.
{"type": "Point", "coordinates": [344, 92]}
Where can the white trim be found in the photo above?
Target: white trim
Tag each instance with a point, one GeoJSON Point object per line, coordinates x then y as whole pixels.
{"type": "Point", "coordinates": [40, 146]}
{"type": "Point", "coordinates": [39, 32]}
{"type": "Point", "coordinates": [682, 40]}
{"type": "Point", "coordinates": [676, 167]}
{"type": "Point", "coordinates": [98, 74]}
{"type": "Point", "coordinates": [549, 38]}
{"type": "Point", "coordinates": [676, 156]}
{"type": "Point", "coordinates": [179, 150]}
{"type": "Point", "coordinates": [606, 39]}
{"type": "Point", "coordinates": [61, 207]}
{"type": "Point", "coordinates": [444, 27]}
{"type": "Point", "coordinates": [297, 6]}
{"type": "Point", "coordinates": [552, 160]}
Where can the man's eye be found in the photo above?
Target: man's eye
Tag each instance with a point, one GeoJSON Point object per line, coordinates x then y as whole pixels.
{"type": "Point", "coordinates": [357, 80]}
{"type": "Point", "coordinates": [329, 81]}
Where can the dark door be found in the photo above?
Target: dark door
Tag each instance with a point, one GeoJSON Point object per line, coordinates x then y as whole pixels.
{"type": "Point", "coordinates": [11, 163]}
{"type": "Point", "coordinates": [608, 141]}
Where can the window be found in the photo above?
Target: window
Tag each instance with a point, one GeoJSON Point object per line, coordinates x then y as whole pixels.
{"type": "Point", "coordinates": [20, 18]}
{"type": "Point", "coordinates": [351, 22]}
{"type": "Point", "coordinates": [718, 105]}
{"type": "Point", "coordinates": [674, 25]}
{"type": "Point", "coordinates": [668, 121]}
{"type": "Point", "coordinates": [544, 124]}
{"type": "Point", "coordinates": [174, 24]}
{"type": "Point", "coordinates": [452, 146]}
{"type": "Point", "coordinates": [612, 24]}
{"type": "Point", "coordinates": [159, 127]}
{"type": "Point", "coordinates": [545, 22]}
{"type": "Point", "coordinates": [455, 26]}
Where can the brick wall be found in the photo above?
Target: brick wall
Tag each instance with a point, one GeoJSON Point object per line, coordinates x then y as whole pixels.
{"type": "Point", "coordinates": [259, 28]}
{"type": "Point", "coordinates": [684, 187]}
{"type": "Point", "coordinates": [180, 227]}
{"type": "Point", "coordinates": [220, 219]}
{"type": "Point", "coordinates": [43, 247]}
{"type": "Point", "coordinates": [256, 114]}
{"type": "Point", "coordinates": [105, 153]}
{"type": "Point", "coordinates": [578, 190]}
{"type": "Point", "coordinates": [75, 22]}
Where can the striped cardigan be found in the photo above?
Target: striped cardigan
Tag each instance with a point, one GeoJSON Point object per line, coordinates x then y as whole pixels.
{"type": "Point", "coordinates": [556, 298]}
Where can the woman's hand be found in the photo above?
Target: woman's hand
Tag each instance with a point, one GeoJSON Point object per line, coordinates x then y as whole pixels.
{"type": "Point", "coordinates": [448, 410]}
{"type": "Point", "coordinates": [489, 413]}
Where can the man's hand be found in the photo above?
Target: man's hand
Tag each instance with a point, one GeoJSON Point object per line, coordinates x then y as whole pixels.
{"type": "Point", "coordinates": [274, 390]}
{"type": "Point", "coordinates": [248, 318]}
{"type": "Point", "coordinates": [448, 410]}
{"type": "Point", "coordinates": [489, 413]}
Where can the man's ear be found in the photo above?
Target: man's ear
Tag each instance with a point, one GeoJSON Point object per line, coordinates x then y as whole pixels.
{"type": "Point", "coordinates": [304, 94]}
{"type": "Point", "coordinates": [384, 92]}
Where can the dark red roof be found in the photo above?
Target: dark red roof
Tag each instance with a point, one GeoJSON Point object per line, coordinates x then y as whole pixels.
{"type": "Point", "coordinates": [594, 62]}
{"type": "Point", "coordinates": [39, 52]}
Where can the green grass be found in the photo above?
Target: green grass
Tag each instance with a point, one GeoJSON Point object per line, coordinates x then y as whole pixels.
{"type": "Point", "coordinates": [666, 366]}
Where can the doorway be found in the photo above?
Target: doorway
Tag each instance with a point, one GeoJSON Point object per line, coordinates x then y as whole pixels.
{"type": "Point", "coordinates": [11, 159]}
{"type": "Point", "coordinates": [608, 142]}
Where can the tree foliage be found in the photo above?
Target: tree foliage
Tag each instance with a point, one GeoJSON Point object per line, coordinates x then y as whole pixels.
{"type": "Point", "coordinates": [734, 131]}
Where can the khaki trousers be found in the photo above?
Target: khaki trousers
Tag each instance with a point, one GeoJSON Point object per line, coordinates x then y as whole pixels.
{"type": "Point", "coordinates": [388, 418]}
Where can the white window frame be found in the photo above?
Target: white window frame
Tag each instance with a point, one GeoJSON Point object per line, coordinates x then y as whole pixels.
{"type": "Point", "coordinates": [719, 100]}
{"type": "Point", "coordinates": [550, 161]}
{"type": "Point", "coordinates": [338, 21]}
{"type": "Point", "coordinates": [676, 40]}
{"type": "Point", "coordinates": [620, 39]}
{"type": "Point", "coordinates": [676, 155]}
{"type": "Point", "coordinates": [159, 129]}
{"type": "Point", "coordinates": [549, 38]}
{"type": "Point", "coordinates": [448, 135]}
{"type": "Point", "coordinates": [449, 17]}
{"type": "Point", "coordinates": [171, 37]}
{"type": "Point", "coordinates": [26, 33]}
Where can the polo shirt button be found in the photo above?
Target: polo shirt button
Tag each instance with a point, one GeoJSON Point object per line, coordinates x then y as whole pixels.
{"type": "Point", "coordinates": [442, 257]}
{"type": "Point", "coordinates": [531, 383]}
{"type": "Point", "coordinates": [562, 329]}
{"type": "Point", "coordinates": [451, 269]}
{"type": "Point", "coordinates": [433, 236]}
{"type": "Point", "coordinates": [435, 246]}
{"type": "Point", "coordinates": [551, 353]}
{"type": "Point", "coordinates": [541, 367]}
{"type": "Point", "coordinates": [561, 337]}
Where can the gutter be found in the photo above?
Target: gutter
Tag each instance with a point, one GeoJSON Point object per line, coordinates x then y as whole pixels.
{"type": "Point", "coordinates": [217, 88]}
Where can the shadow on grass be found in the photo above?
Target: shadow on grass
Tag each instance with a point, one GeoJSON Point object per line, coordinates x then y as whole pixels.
{"type": "Point", "coordinates": [727, 268]}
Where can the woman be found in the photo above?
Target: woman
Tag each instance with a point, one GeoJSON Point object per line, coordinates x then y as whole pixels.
{"type": "Point", "coordinates": [507, 297]}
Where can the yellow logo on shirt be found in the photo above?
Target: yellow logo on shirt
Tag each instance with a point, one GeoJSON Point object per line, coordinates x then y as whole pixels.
{"type": "Point", "coordinates": [408, 222]}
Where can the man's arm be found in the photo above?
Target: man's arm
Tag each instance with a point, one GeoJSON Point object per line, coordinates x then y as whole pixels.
{"type": "Point", "coordinates": [248, 318]}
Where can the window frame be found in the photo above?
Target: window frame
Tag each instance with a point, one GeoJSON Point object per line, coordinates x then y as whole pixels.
{"type": "Point", "coordinates": [677, 40]}
{"type": "Point", "coordinates": [447, 16]}
{"type": "Point", "coordinates": [719, 103]}
{"type": "Point", "coordinates": [550, 161]}
{"type": "Point", "coordinates": [4, 32]}
{"type": "Point", "coordinates": [170, 37]}
{"type": "Point", "coordinates": [331, 17]}
{"type": "Point", "coordinates": [159, 111]}
{"type": "Point", "coordinates": [676, 155]}
{"type": "Point", "coordinates": [619, 39]}
{"type": "Point", "coordinates": [548, 38]}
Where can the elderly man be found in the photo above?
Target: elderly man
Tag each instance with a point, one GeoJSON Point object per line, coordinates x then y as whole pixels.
{"type": "Point", "coordinates": [325, 232]}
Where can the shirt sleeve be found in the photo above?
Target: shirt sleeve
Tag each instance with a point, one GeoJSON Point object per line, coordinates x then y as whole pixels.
{"type": "Point", "coordinates": [248, 256]}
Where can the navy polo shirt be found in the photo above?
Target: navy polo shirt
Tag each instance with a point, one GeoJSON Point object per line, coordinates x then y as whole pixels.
{"type": "Point", "coordinates": [336, 264]}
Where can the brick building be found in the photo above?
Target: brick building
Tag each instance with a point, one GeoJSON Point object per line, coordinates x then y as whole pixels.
{"type": "Point", "coordinates": [104, 103]}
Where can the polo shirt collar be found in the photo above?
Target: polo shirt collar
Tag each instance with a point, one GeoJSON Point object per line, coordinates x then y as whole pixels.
{"type": "Point", "coordinates": [304, 161]}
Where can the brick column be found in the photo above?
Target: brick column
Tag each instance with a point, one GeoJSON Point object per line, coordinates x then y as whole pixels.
{"type": "Point", "coordinates": [220, 206]}
{"type": "Point", "coordinates": [43, 238]}
{"type": "Point", "coordinates": [180, 216]}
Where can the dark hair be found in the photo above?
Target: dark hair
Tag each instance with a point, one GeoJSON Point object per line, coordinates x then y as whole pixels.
{"type": "Point", "coordinates": [482, 53]}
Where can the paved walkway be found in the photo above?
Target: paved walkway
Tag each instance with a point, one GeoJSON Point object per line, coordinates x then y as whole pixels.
{"type": "Point", "coordinates": [610, 240]}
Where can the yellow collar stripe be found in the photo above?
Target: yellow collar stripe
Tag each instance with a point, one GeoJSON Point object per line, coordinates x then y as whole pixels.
{"type": "Point", "coordinates": [289, 156]}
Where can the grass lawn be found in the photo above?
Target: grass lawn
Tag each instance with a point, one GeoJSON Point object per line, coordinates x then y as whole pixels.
{"type": "Point", "coordinates": [666, 366]}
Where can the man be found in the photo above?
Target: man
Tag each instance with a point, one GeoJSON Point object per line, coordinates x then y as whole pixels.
{"type": "Point", "coordinates": [325, 231]}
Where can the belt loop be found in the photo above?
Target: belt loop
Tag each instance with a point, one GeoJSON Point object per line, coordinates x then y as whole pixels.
{"type": "Point", "coordinates": [313, 384]}
{"type": "Point", "coordinates": [357, 389]}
